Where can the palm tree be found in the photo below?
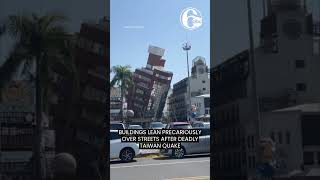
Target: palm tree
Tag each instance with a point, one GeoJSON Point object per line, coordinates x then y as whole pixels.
{"type": "Point", "coordinates": [39, 41]}
{"type": "Point", "coordinates": [68, 52]}
{"type": "Point", "coordinates": [123, 79]}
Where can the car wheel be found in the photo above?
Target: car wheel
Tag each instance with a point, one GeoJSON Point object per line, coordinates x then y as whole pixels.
{"type": "Point", "coordinates": [178, 153]}
{"type": "Point", "coordinates": [127, 154]}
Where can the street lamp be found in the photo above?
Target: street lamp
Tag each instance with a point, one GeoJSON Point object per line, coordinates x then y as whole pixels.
{"type": "Point", "coordinates": [186, 47]}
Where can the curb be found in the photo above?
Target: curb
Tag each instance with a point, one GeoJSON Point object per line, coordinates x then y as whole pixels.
{"type": "Point", "coordinates": [150, 155]}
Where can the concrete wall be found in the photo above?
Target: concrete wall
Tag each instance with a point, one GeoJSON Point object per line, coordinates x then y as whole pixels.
{"type": "Point", "coordinates": [277, 72]}
{"type": "Point", "coordinates": [197, 84]}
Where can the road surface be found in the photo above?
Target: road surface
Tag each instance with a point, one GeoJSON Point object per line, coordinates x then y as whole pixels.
{"type": "Point", "coordinates": [189, 168]}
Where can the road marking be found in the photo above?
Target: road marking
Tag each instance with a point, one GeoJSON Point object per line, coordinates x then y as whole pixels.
{"type": "Point", "coordinates": [190, 178]}
{"type": "Point", "coordinates": [159, 164]}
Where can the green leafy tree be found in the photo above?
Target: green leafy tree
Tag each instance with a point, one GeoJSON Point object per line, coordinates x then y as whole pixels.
{"type": "Point", "coordinates": [123, 79]}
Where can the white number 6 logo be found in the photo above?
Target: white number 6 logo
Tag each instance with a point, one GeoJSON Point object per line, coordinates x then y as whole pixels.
{"type": "Point", "coordinates": [191, 18]}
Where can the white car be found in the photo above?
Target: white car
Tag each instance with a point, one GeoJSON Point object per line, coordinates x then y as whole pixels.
{"type": "Point", "coordinates": [134, 126]}
{"type": "Point", "coordinates": [156, 125]}
{"type": "Point", "coordinates": [123, 150]}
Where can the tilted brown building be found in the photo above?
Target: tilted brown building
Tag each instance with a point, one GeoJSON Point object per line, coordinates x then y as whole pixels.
{"type": "Point", "coordinates": [151, 84]}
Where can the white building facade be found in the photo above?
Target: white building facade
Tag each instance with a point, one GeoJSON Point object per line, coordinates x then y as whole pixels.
{"type": "Point", "coordinates": [199, 85]}
{"type": "Point", "coordinates": [287, 74]}
{"type": "Point", "coordinates": [202, 105]}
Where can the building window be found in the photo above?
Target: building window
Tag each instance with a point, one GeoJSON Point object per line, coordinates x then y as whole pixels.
{"type": "Point", "coordinates": [288, 138]}
{"type": "Point", "coordinates": [316, 48]}
{"type": "Point", "coordinates": [203, 81]}
{"type": "Point", "coordinates": [139, 91]}
{"type": "Point", "coordinates": [204, 89]}
{"type": "Point", "coordinates": [308, 158]}
{"type": "Point", "coordinates": [252, 141]}
{"type": "Point", "coordinates": [280, 137]}
{"type": "Point", "coordinates": [249, 162]}
{"type": "Point", "coordinates": [300, 64]}
{"type": "Point", "coordinates": [301, 87]}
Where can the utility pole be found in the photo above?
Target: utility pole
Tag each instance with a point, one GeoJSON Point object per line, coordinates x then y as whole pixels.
{"type": "Point", "coordinates": [37, 151]}
{"type": "Point", "coordinates": [264, 8]}
{"type": "Point", "coordinates": [255, 99]}
{"type": "Point", "coordinates": [186, 47]}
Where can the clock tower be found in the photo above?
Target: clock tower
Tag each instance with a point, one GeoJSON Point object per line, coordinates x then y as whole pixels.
{"type": "Point", "coordinates": [287, 23]}
{"type": "Point", "coordinates": [199, 80]}
{"type": "Point", "coordinates": [199, 67]}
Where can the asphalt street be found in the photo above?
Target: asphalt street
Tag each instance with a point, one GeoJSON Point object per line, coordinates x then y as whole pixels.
{"type": "Point", "coordinates": [189, 168]}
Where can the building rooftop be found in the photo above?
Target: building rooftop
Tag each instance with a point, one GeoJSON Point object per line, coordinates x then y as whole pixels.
{"type": "Point", "coordinates": [313, 107]}
{"type": "Point", "coordinates": [237, 57]}
{"type": "Point", "coordinates": [314, 172]}
{"type": "Point", "coordinates": [199, 60]}
{"type": "Point", "coordinates": [156, 50]}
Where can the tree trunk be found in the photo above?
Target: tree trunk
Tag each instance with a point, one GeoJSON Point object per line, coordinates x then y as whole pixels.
{"type": "Point", "coordinates": [121, 109]}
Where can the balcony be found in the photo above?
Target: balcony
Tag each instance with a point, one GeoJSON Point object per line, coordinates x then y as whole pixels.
{"type": "Point", "coordinates": [144, 85]}
{"type": "Point", "coordinates": [138, 76]}
{"type": "Point", "coordinates": [146, 71]}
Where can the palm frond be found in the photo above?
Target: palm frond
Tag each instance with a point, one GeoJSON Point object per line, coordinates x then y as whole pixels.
{"type": "Point", "coordinates": [51, 19]}
{"type": "Point", "coordinates": [122, 77]}
{"type": "Point", "coordinates": [114, 81]}
{"type": "Point", "coordinates": [9, 67]}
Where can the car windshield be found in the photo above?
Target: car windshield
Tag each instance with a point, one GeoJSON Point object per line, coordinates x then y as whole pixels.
{"type": "Point", "coordinates": [135, 127]}
{"type": "Point", "coordinates": [156, 125]}
{"type": "Point", "coordinates": [182, 126]}
{"type": "Point", "coordinates": [114, 135]}
{"type": "Point", "coordinates": [116, 126]}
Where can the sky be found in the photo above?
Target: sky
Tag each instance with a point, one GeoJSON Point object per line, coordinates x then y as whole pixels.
{"type": "Point", "coordinates": [161, 27]}
{"type": "Point", "coordinates": [230, 27]}
{"type": "Point", "coordinates": [159, 23]}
